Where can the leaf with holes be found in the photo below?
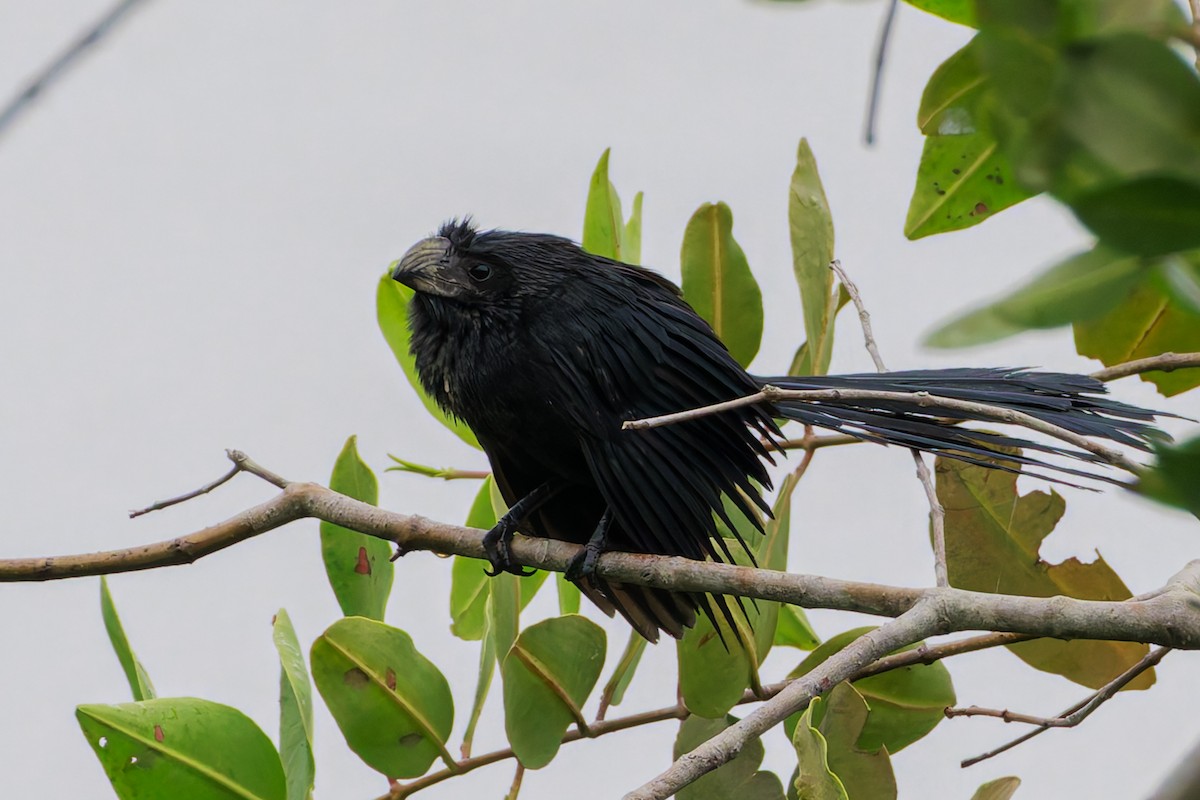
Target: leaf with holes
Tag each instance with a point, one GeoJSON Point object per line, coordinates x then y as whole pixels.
{"type": "Point", "coordinates": [740, 778]}
{"type": "Point", "coordinates": [905, 704]}
{"type": "Point", "coordinates": [547, 676]}
{"type": "Point", "coordinates": [717, 281]}
{"type": "Point", "coordinates": [359, 567]}
{"type": "Point", "coordinates": [390, 702]}
{"type": "Point", "coordinates": [391, 310]}
{"type": "Point", "coordinates": [135, 673]}
{"type": "Point", "coordinates": [182, 747]}
{"type": "Point", "coordinates": [295, 710]}
{"type": "Point", "coordinates": [963, 177]}
{"type": "Point", "coordinates": [993, 538]}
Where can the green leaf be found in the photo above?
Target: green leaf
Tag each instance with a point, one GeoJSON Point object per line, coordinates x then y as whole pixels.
{"type": "Point", "coordinates": [631, 239]}
{"type": "Point", "coordinates": [182, 747]}
{"type": "Point", "coordinates": [483, 684]}
{"type": "Point", "coordinates": [1081, 288]}
{"type": "Point", "coordinates": [794, 629]}
{"type": "Point", "coordinates": [718, 663]}
{"type": "Point", "coordinates": [993, 536]}
{"type": "Point", "coordinates": [390, 702]}
{"type": "Point", "coordinates": [548, 675]}
{"type": "Point", "coordinates": [1175, 477]}
{"type": "Point", "coordinates": [622, 676]}
{"type": "Point", "coordinates": [139, 681]}
{"type": "Point", "coordinates": [717, 281]}
{"type": "Point", "coordinates": [772, 553]}
{"type": "Point", "coordinates": [602, 221]}
{"type": "Point", "coordinates": [865, 771]}
{"type": "Point", "coordinates": [802, 360]}
{"type": "Point", "coordinates": [999, 789]}
{"type": "Point", "coordinates": [740, 778]}
{"type": "Point", "coordinates": [814, 779]}
{"type": "Point", "coordinates": [468, 582]}
{"type": "Point", "coordinates": [568, 595]}
{"type": "Point", "coordinates": [1151, 216]}
{"type": "Point", "coordinates": [295, 710]}
{"type": "Point", "coordinates": [960, 11]}
{"type": "Point", "coordinates": [1148, 322]}
{"type": "Point", "coordinates": [905, 704]}
{"type": "Point", "coordinates": [810, 224]}
{"type": "Point", "coordinates": [963, 177]}
{"type": "Point", "coordinates": [391, 309]}
{"type": "Point", "coordinates": [359, 567]}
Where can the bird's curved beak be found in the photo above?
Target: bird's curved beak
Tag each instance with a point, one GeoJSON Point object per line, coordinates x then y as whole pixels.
{"type": "Point", "coordinates": [423, 268]}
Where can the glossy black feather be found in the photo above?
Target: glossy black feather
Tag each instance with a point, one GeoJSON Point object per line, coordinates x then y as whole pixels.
{"type": "Point", "coordinates": [553, 349]}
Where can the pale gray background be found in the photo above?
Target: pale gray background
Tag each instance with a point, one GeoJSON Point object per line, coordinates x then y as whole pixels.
{"type": "Point", "coordinates": [191, 226]}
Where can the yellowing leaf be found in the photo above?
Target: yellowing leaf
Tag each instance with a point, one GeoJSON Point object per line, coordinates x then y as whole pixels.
{"type": "Point", "coordinates": [993, 536]}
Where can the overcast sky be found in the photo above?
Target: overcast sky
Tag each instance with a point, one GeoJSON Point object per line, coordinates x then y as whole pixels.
{"type": "Point", "coordinates": [191, 227]}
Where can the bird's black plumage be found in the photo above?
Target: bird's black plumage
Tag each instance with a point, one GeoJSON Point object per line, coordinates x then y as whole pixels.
{"type": "Point", "coordinates": [545, 350]}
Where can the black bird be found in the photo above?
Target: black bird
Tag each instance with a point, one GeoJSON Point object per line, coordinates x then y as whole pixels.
{"type": "Point", "coordinates": [544, 350]}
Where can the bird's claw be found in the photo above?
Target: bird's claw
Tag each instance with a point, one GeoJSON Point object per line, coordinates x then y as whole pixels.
{"type": "Point", "coordinates": [583, 564]}
{"type": "Point", "coordinates": [495, 545]}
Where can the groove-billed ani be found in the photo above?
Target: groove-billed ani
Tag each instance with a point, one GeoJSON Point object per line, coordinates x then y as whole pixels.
{"type": "Point", "coordinates": [544, 350]}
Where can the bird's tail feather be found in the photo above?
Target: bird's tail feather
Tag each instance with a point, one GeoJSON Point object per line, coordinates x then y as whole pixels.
{"type": "Point", "coordinates": [1072, 402]}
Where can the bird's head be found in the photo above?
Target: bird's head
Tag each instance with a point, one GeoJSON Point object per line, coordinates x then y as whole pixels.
{"type": "Point", "coordinates": [469, 266]}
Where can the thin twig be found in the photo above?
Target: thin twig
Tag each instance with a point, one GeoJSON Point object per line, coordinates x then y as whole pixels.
{"type": "Point", "coordinates": [774, 394]}
{"type": "Point", "coordinates": [885, 34]}
{"type": "Point", "coordinates": [50, 73]}
{"type": "Point", "coordinates": [1167, 362]}
{"type": "Point", "coordinates": [1069, 718]}
{"type": "Point", "coordinates": [515, 788]}
{"type": "Point", "coordinates": [813, 442]}
{"type": "Point", "coordinates": [205, 489]}
{"type": "Point", "coordinates": [937, 514]}
{"type": "Point", "coordinates": [864, 318]}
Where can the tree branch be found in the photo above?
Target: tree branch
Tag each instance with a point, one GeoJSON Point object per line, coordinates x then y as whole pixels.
{"type": "Point", "coordinates": [1167, 362]}
{"type": "Point", "coordinates": [1068, 718]}
{"type": "Point", "coordinates": [50, 73]}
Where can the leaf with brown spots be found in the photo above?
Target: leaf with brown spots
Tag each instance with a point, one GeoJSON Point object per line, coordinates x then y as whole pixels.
{"type": "Point", "coordinates": [359, 567]}
{"type": "Point", "coordinates": [391, 703]}
{"type": "Point", "coordinates": [993, 536]}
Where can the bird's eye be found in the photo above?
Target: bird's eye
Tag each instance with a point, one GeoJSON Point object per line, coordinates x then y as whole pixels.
{"type": "Point", "coordinates": [479, 272]}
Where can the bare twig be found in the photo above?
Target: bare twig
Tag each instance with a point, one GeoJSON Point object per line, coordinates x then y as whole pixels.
{"type": "Point", "coordinates": [813, 442]}
{"type": "Point", "coordinates": [1068, 718]}
{"type": "Point", "coordinates": [1167, 362]}
{"type": "Point", "coordinates": [864, 318]}
{"type": "Point", "coordinates": [937, 514]}
{"type": "Point", "coordinates": [50, 73]}
{"type": "Point", "coordinates": [205, 489]}
{"type": "Point", "coordinates": [885, 34]}
{"type": "Point", "coordinates": [774, 394]}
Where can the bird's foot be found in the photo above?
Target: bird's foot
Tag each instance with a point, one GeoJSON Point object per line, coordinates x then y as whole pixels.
{"type": "Point", "coordinates": [495, 544]}
{"type": "Point", "coordinates": [583, 564]}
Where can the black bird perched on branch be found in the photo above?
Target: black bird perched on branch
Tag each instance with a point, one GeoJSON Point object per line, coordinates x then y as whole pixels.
{"type": "Point", "coordinates": [544, 350]}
